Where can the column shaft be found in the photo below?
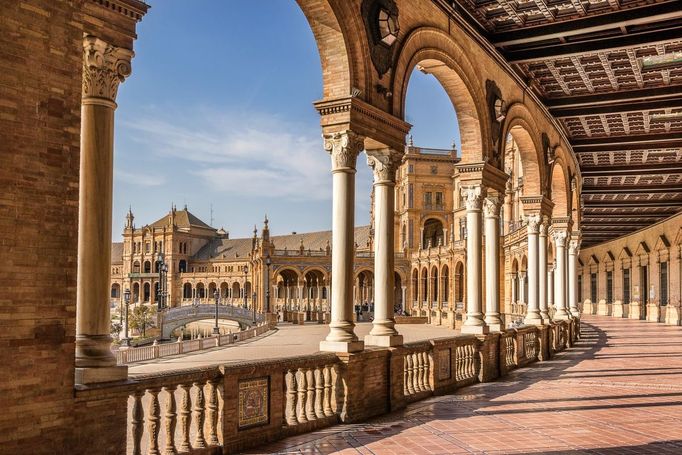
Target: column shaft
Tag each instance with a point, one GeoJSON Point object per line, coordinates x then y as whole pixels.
{"type": "Point", "coordinates": [533, 308]}
{"type": "Point", "coordinates": [491, 208]}
{"type": "Point", "coordinates": [542, 258]}
{"type": "Point", "coordinates": [560, 276]}
{"type": "Point", "coordinates": [474, 318]}
{"type": "Point", "coordinates": [344, 148]}
{"type": "Point", "coordinates": [573, 278]}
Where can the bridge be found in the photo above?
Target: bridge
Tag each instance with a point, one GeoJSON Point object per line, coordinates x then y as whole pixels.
{"type": "Point", "coordinates": [173, 318]}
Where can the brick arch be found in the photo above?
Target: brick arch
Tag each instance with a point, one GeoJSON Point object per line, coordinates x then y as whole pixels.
{"type": "Point", "coordinates": [520, 125]}
{"type": "Point", "coordinates": [343, 60]}
{"type": "Point", "coordinates": [448, 62]}
{"type": "Point", "coordinates": [560, 189]}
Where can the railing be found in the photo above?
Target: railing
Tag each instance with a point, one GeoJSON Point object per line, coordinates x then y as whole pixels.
{"type": "Point", "coordinates": [231, 408]}
{"type": "Point", "coordinates": [155, 351]}
{"type": "Point", "coordinates": [191, 311]}
{"type": "Point", "coordinates": [298, 252]}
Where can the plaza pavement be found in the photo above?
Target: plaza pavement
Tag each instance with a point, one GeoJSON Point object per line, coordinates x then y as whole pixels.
{"type": "Point", "coordinates": [617, 392]}
{"type": "Point", "coordinates": [287, 341]}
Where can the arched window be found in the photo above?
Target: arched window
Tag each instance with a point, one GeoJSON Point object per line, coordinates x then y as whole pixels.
{"type": "Point", "coordinates": [115, 291]}
{"type": "Point", "coordinates": [425, 285]}
{"type": "Point", "coordinates": [182, 266]}
{"type": "Point", "coordinates": [136, 292]}
{"type": "Point", "coordinates": [136, 267]}
{"type": "Point", "coordinates": [201, 291]}
{"type": "Point", "coordinates": [147, 267]}
{"type": "Point", "coordinates": [445, 288]}
{"type": "Point", "coordinates": [433, 233]}
{"type": "Point", "coordinates": [147, 292]}
{"type": "Point", "coordinates": [187, 291]}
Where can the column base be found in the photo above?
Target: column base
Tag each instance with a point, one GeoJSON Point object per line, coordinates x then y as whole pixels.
{"type": "Point", "coordinates": [385, 341]}
{"type": "Point", "coordinates": [533, 318]}
{"type": "Point", "coordinates": [495, 327]}
{"type": "Point", "coordinates": [97, 375]}
{"type": "Point", "coordinates": [561, 316]}
{"type": "Point", "coordinates": [342, 346]}
{"type": "Point", "coordinates": [475, 329]}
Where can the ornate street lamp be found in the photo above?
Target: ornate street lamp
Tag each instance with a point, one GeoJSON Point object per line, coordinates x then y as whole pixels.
{"type": "Point", "coordinates": [246, 271]}
{"type": "Point", "coordinates": [126, 299]}
{"type": "Point", "coordinates": [216, 295]}
{"type": "Point", "coordinates": [268, 262]}
{"type": "Point", "coordinates": [253, 305]}
{"type": "Point", "coordinates": [163, 272]}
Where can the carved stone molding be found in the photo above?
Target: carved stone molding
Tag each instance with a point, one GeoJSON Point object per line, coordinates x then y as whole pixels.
{"type": "Point", "coordinates": [573, 246]}
{"type": "Point", "coordinates": [491, 207]}
{"type": "Point", "coordinates": [559, 237]}
{"type": "Point", "coordinates": [533, 223]}
{"type": "Point", "coordinates": [344, 148]}
{"type": "Point", "coordinates": [384, 163]}
{"type": "Point", "coordinates": [104, 68]}
{"type": "Point", "coordinates": [544, 226]}
{"type": "Point", "coordinates": [473, 197]}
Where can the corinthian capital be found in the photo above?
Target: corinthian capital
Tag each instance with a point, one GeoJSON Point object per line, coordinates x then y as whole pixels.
{"type": "Point", "coordinates": [384, 163]}
{"type": "Point", "coordinates": [573, 246]}
{"type": "Point", "coordinates": [344, 148]}
{"type": "Point", "coordinates": [544, 225]}
{"type": "Point", "coordinates": [491, 207]}
{"type": "Point", "coordinates": [104, 67]}
{"type": "Point", "coordinates": [533, 223]}
{"type": "Point", "coordinates": [559, 238]}
{"type": "Point", "coordinates": [473, 197]}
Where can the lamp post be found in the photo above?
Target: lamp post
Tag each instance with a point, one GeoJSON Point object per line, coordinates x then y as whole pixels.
{"type": "Point", "coordinates": [126, 298]}
{"type": "Point", "coordinates": [253, 306]}
{"type": "Point", "coordinates": [268, 262]}
{"type": "Point", "coordinates": [246, 271]}
{"type": "Point", "coordinates": [163, 270]}
{"type": "Point", "coordinates": [216, 295]}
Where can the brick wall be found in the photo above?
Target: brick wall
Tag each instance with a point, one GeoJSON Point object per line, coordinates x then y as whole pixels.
{"type": "Point", "coordinates": [40, 90]}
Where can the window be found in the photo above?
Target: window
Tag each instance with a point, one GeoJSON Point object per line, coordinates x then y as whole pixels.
{"type": "Point", "coordinates": [428, 200]}
{"type": "Point", "coordinates": [626, 286]}
{"type": "Point", "coordinates": [664, 283]}
{"type": "Point", "coordinates": [609, 286]}
{"type": "Point", "coordinates": [147, 247]}
{"type": "Point", "coordinates": [410, 195]}
{"type": "Point", "coordinates": [580, 288]}
{"type": "Point", "coordinates": [593, 287]}
{"type": "Point", "coordinates": [439, 200]}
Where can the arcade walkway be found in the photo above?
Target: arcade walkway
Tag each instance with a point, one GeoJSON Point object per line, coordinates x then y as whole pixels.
{"type": "Point", "coordinates": [618, 391]}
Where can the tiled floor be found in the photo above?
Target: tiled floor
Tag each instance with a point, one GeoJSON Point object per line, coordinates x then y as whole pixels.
{"type": "Point", "coordinates": [618, 391]}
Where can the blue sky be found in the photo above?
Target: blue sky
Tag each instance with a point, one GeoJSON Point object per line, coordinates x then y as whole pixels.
{"type": "Point", "coordinates": [218, 111]}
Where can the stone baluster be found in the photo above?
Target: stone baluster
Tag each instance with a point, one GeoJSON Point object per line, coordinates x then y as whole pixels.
{"type": "Point", "coordinates": [212, 413]}
{"type": "Point", "coordinates": [327, 404]}
{"type": "Point", "coordinates": [137, 422]}
{"type": "Point", "coordinates": [344, 148]}
{"type": "Point", "coordinates": [169, 419]}
{"type": "Point", "coordinates": [302, 390]}
{"type": "Point", "coordinates": [319, 393]}
{"type": "Point", "coordinates": [310, 396]}
{"type": "Point", "coordinates": [409, 374]}
{"type": "Point", "coordinates": [290, 404]}
{"type": "Point", "coordinates": [184, 418]}
{"type": "Point", "coordinates": [153, 417]}
{"type": "Point", "coordinates": [419, 371]}
{"type": "Point", "coordinates": [427, 370]}
{"type": "Point", "coordinates": [198, 415]}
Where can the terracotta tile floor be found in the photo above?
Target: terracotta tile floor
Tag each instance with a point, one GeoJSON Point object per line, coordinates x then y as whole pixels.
{"type": "Point", "coordinates": [619, 391]}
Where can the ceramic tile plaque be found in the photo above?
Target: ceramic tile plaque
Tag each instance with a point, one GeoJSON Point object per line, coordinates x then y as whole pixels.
{"type": "Point", "coordinates": [444, 364]}
{"type": "Point", "coordinates": [254, 402]}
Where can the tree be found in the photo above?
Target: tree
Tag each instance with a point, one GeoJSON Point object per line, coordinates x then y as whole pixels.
{"type": "Point", "coordinates": [116, 328]}
{"type": "Point", "coordinates": [141, 317]}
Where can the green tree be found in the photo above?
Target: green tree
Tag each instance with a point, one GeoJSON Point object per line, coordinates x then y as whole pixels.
{"type": "Point", "coordinates": [116, 328]}
{"type": "Point", "coordinates": [141, 317]}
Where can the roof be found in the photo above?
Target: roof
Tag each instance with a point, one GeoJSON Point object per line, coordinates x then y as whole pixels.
{"type": "Point", "coordinates": [117, 252]}
{"type": "Point", "coordinates": [183, 219]}
{"type": "Point", "coordinates": [240, 248]}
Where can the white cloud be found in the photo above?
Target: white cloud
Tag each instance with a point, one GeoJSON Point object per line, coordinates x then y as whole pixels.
{"type": "Point", "coordinates": [139, 179]}
{"type": "Point", "coordinates": [259, 155]}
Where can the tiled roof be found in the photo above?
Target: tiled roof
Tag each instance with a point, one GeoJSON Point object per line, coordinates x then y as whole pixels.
{"type": "Point", "coordinates": [183, 219]}
{"type": "Point", "coordinates": [117, 252]}
{"type": "Point", "coordinates": [224, 248]}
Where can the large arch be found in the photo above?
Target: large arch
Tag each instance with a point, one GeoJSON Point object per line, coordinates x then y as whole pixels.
{"type": "Point", "coordinates": [521, 127]}
{"type": "Point", "coordinates": [559, 184]}
{"type": "Point", "coordinates": [437, 53]}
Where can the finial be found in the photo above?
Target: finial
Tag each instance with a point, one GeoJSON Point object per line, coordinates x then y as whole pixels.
{"type": "Point", "coordinates": [266, 220]}
{"type": "Point", "coordinates": [185, 209]}
{"type": "Point", "coordinates": [255, 230]}
{"type": "Point", "coordinates": [410, 141]}
{"type": "Point", "coordinates": [453, 145]}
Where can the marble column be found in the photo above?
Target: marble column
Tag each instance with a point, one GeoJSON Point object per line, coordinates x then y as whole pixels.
{"type": "Point", "coordinates": [573, 278]}
{"type": "Point", "coordinates": [507, 206]}
{"type": "Point", "coordinates": [384, 163]}
{"type": "Point", "coordinates": [550, 287]}
{"type": "Point", "coordinates": [474, 323]}
{"type": "Point", "coordinates": [491, 210]}
{"type": "Point", "coordinates": [560, 276]}
{"type": "Point", "coordinates": [104, 68]}
{"type": "Point", "coordinates": [533, 309]}
{"type": "Point", "coordinates": [344, 148]}
{"type": "Point", "coordinates": [514, 285]}
{"type": "Point", "coordinates": [542, 259]}
{"type": "Point", "coordinates": [522, 288]}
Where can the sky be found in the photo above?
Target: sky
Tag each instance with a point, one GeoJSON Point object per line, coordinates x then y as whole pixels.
{"type": "Point", "coordinates": [218, 113]}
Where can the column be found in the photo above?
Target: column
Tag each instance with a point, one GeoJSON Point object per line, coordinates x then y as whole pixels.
{"type": "Point", "coordinates": [384, 163]}
{"type": "Point", "coordinates": [508, 207]}
{"type": "Point", "coordinates": [522, 287]}
{"type": "Point", "coordinates": [491, 210]}
{"type": "Point", "coordinates": [533, 309]}
{"type": "Point", "coordinates": [573, 278]}
{"type": "Point", "coordinates": [550, 287]}
{"type": "Point", "coordinates": [560, 276]}
{"type": "Point", "coordinates": [542, 259]}
{"type": "Point", "coordinates": [474, 322]}
{"type": "Point", "coordinates": [104, 67]}
{"type": "Point", "coordinates": [402, 303]}
{"type": "Point", "coordinates": [514, 280]}
{"type": "Point", "coordinates": [344, 148]}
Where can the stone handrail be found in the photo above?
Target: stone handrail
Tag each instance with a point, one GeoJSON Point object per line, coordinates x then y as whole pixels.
{"type": "Point", "coordinates": [155, 351]}
{"type": "Point", "coordinates": [234, 407]}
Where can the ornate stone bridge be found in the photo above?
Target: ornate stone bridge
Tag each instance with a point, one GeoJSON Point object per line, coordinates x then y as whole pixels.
{"type": "Point", "coordinates": [173, 318]}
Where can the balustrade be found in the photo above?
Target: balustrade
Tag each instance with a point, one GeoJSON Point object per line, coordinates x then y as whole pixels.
{"type": "Point", "coordinates": [417, 371]}
{"type": "Point", "coordinates": [466, 362]}
{"type": "Point", "coordinates": [309, 394]}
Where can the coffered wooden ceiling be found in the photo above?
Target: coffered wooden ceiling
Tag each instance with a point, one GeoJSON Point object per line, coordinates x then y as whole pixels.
{"type": "Point", "coordinates": [610, 71]}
